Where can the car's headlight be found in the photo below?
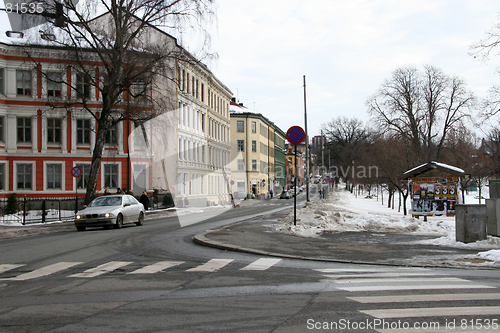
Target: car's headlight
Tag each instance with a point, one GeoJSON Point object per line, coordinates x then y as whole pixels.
{"type": "Point", "coordinates": [78, 217]}
{"type": "Point", "coordinates": [106, 215]}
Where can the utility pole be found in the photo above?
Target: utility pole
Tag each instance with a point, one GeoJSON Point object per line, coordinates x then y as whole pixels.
{"type": "Point", "coordinates": [307, 142]}
{"type": "Point", "coordinates": [322, 153]}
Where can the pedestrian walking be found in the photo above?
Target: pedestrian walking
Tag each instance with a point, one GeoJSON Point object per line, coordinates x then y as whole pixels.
{"type": "Point", "coordinates": [144, 200]}
{"type": "Point", "coordinates": [271, 193]}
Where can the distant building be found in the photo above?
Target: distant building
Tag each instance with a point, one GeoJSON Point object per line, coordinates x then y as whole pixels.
{"type": "Point", "coordinates": [279, 160]}
{"type": "Point", "coordinates": [253, 153]}
{"type": "Point", "coordinates": [318, 142]}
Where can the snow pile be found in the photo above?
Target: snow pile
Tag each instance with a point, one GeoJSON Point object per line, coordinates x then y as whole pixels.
{"type": "Point", "coordinates": [342, 211]}
{"type": "Point", "coordinates": [492, 255]}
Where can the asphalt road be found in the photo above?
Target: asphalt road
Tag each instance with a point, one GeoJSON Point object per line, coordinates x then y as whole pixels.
{"type": "Point", "coordinates": [153, 278]}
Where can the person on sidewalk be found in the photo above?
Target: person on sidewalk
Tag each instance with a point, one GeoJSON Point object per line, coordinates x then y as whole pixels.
{"type": "Point", "coordinates": [271, 193]}
{"type": "Point", "coordinates": [144, 200]}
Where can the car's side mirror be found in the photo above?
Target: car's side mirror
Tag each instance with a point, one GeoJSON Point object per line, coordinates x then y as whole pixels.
{"type": "Point", "coordinates": [126, 205]}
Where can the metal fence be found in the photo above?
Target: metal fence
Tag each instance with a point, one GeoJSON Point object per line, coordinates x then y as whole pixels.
{"type": "Point", "coordinates": [45, 210]}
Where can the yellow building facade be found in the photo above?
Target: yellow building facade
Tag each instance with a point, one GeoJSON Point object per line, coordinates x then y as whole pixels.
{"type": "Point", "coordinates": [252, 153]}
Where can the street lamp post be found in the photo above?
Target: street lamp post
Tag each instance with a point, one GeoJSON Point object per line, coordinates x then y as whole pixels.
{"type": "Point", "coordinates": [307, 142]}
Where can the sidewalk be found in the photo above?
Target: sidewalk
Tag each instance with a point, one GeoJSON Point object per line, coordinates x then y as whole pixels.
{"type": "Point", "coordinates": [255, 236]}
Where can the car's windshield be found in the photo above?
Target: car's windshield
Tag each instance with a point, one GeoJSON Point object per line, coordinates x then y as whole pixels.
{"type": "Point", "coordinates": [106, 201]}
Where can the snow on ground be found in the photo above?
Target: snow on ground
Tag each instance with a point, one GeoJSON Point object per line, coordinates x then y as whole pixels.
{"type": "Point", "coordinates": [343, 211]}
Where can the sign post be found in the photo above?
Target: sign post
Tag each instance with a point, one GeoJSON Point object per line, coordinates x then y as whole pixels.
{"type": "Point", "coordinates": [76, 172]}
{"type": "Point", "coordinates": [295, 135]}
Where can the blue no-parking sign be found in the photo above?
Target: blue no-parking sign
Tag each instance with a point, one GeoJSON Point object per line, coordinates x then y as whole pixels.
{"type": "Point", "coordinates": [295, 135]}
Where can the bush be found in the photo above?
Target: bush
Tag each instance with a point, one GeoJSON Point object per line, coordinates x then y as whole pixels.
{"type": "Point", "coordinates": [12, 205]}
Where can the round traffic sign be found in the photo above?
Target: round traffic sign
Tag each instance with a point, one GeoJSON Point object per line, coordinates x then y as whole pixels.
{"type": "Point", "coordinates": [76, 172]}
{"type": "Point", "coordinates": [295, 135]}
{"type": "Point", "coordinates": [232, 182]}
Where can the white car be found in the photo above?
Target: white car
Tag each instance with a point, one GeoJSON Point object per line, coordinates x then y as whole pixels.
{"type": "Point", "coordinates": [110, 210]}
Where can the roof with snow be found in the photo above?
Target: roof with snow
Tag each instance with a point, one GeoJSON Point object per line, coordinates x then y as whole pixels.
{"type": "Point", "coordinates": [433, 166]}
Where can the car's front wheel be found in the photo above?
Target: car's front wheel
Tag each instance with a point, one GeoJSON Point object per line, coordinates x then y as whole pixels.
{"type": "Point", "coordinates": [141, 219]}
{"type": "Point", "coordinates": [119, 221]}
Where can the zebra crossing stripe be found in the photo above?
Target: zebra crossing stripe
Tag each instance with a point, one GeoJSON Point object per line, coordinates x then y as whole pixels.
{"type": "Point", "coordinates": [8, 267]}
{"type": "Point", "coordinates": [375, 275]}
{"type": "Point", "coordinates": [408, 279]}
{"type": "Point", "coordinates": [261, 264]}
{"type": "Point", "coordinates": [431, 312]}
{"type": "Point", "coordinates": [44, 271]}
{"type": "Point", "coordinates": [426, 298]}
{"type": "Point", "coordinates": [156, 267]}
{"type": "Point", "coordinates": [363, 270]}
{"type": "Point", "coordinates": [433, 330]}
{"type": "Point", "coordinates": [414, 287]}
{"type": "Point", "coordinates": [211, 266]}
{"type": "Point", "coordinates": [102, 269]}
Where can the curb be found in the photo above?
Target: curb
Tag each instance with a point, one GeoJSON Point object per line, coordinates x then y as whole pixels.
{"type": "Point", "coordinates": [201, 239]}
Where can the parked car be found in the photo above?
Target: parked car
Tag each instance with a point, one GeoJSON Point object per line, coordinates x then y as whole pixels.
{"type": "Point", "coordinates": [110, 210]}
{"type": "Point", "coordinates": [285, 195]}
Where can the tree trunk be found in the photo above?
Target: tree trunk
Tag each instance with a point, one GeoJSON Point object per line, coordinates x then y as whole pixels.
{"type": "Point", "coordinates": [95, 166]}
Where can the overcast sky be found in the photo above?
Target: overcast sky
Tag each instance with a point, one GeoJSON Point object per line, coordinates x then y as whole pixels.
{"type": "Point", "coordinates": [345, 48]}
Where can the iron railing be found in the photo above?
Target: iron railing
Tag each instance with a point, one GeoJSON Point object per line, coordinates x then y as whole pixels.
{"type": "Point", "coordinates": [46, 210]}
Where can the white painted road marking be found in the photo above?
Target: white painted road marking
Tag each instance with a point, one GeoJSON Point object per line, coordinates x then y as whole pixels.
{"type": "Point", "coordinates": [44, 271]}
{"type": "Point", "coordinates": [426, 298]}
{"type": "Point", "coordinates": [211, 266]}
{"type": "Point", "coordinates": [157, 267]}
{"type": "Point", "coordinates": [261, 264]}
{"type": "Point", "coordinates": [432, 312]}
{"type": "Point", "coordinates": [8, 267]}
{"type": "Point", "coordinates": [102, 269]}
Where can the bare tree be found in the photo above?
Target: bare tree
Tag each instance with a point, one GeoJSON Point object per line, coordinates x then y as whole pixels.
{"type": "Point", "coordinates": [346, 140]}
{"type": "Point", "coordinates": [393, 157]}
{"type": "Point", "coordinates": [117, 48]}
{"type": "Point", "coordinates": [421, 108]}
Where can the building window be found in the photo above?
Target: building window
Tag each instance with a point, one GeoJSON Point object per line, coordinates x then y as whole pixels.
{"type": "Point", "coordinates": [53, 130]}
{"type": "Point", "coordinates": [82, 86]}
{"type": "Point", "coordinates": [240, 125]}
{"type": "Point", "coordinates": [241, 145]}
{"type": "Point", "coordinates": [54, 176]}
{"type": "Point", "coordinates": [241, 165]}
{"type": "Point", "coordinates": [23, 82]}
{"type": "Point", "coordinates": [1, 128]}
{"type": "Point", "coordinates": [254, 127]}
{"type": "Point", "coordinates": [2, 176]}
{"type": "Point", "coordinates": [2, 81]}
{"type": "Point", "coordinates": [139, 90]}
{"type": "Point", "coordinates": [254, 165]}
{"type": "Point", "coordinates": [23, 129]}
{"type": "Point", "coordinates": [110, 137]}
{"type": "Point", "coordinates": [83, 131]}
{"type": "Point", "coordinates": [254, 146]}
{"type": "Point", "coordinates": [111, 175]}
{"type": "Point", "coordinates": [202, 184]}
{"type": "Point", "coordinates": [81, 182]}
{"type": "Point", "coordinates": [241, 186]}
{"type": "Point", "coordinates": [24, 176]}
{"type": "Point", "coordinates": [54, 83]}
